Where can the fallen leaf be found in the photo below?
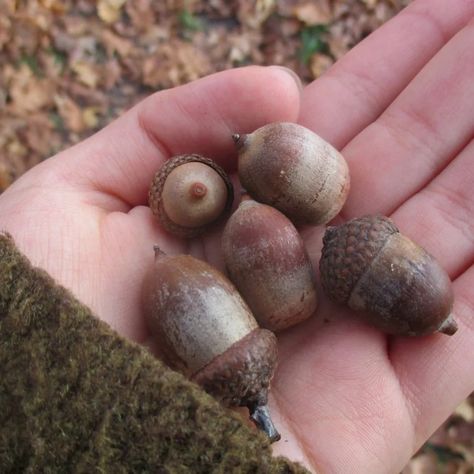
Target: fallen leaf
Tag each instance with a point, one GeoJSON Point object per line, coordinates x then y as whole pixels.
{"type": "Point", "coordinates": [29, 93]}
{"type": "Point", "coordinates": [314, 13]}
{"type": "Point", "coordinates": [319, 64]}
{"type": "Point", "coordinates": [116, 44]}
{"type": "Point", "coordinates": [57, 6]}
{"type": "Point", "coordinates": [466, 411]}
{"type": "Point", "coordinates": [86, 73]}
{"type": "Point", "coordinates": [422, 464]}
{"type": "Point", "coordinates": [70, 112]}
{"type": "Point", "coordinates": [5, 176]}
{"type": "Point", "coordinates": [109, 10]}
{"type": "Point", "coordinates": [90, 117]}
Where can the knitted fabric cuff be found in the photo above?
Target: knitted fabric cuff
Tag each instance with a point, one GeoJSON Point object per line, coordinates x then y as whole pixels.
{"type": "Point", "coordinates": [76, 397]}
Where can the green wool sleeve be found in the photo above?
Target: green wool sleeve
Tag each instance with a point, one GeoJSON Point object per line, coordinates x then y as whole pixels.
{"type": "Point", "coordinates": [75, 397]}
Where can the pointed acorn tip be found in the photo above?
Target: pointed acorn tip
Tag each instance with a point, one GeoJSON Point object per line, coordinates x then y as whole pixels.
{"type": "Point", "coordinates": [449, 326]}
{"type": "Point", "coordinates": [158, 251]}
{"type": "Point", "coordinates": [239, 140]}
{"type": "Point", "coordinates": [260, 415]}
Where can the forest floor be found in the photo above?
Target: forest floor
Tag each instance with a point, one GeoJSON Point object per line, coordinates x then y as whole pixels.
{"type": "Point", "coordinates": [70, 67]}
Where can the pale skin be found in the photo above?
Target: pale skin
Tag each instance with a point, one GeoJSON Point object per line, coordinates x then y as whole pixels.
{"type": "Point", "coordinates": [345, 397]}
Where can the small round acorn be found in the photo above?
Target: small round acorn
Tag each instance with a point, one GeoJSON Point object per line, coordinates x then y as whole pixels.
{"type": "Point", "coordinates": [398, 287]}
{"type": "Point", "coordinates": [205, 330]}
{"type": "Point", "coordinates": [189, 194]}
{"type": "Point", "coordinates": [266, 260]}
{"type": "Point", "coordinates": [294, 170]}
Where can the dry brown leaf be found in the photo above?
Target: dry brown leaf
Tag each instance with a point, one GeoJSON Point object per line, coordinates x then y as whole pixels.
{"type": "Point", "coordinates": [253, 13]}
{"type": "Point", "coordinates": [17, 149]}
{"type": "Point", "coordinates": [116, 44]}
{"type": "Point", "coordinates": [86, 73]}
{"type": "Point", "coordinates": [422, 464]}
{"type": "Point", "coordinates": [29, 93]}
{"type": "Point", "coordinates": [109, 10]}
{"type": "Point", "coordinates": [371, 3]}
{"type": "Point", "coordinates": [312, 13]}
{"type": "Point", "coordinates": [57, 6]}
{"type": "Point", "coordinates": [466, 411]}
{"type": "Point", "coordinates": [5, 176]}
{"type": "Point", "coordinates": [339, 43]}
{"type": "Point", "coordinates": [5, 30]}
{"type": "Point", "coordinates": [70, 112]}
{"type": "Point", "coordinates": [90, 117]}
{"type": "Point", "coordinates": [319, 64]}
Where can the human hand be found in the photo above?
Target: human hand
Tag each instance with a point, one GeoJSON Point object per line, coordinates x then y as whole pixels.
{"type": "Point", "coordinates": [400, 108]}
{"type": "Point", "coordinates": [342, 392]}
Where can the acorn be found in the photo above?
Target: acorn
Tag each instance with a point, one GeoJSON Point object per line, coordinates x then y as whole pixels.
{"type": "Point", "coordinates": [266, 260]}
{"type": "Point", "coordinates": [398, 287]}
{"type": "Point", "coordinates": [189, 194]}
{"type": "Point", "coordinates": [294, 170]}
{"type": "Point", "coordinates": [205, 330]}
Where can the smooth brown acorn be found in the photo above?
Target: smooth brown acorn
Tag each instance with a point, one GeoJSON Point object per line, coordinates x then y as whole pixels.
{"type": "Point", "coordinates": [189, 194]}
{"type": "Point", "coordinates": [398, 287]}
{"type": "Point", "coordinates": [266, 260]}
{"type": "Point", "coordinates": [294, 170]}
{"type": "Point", "coordinates": [205, 330]}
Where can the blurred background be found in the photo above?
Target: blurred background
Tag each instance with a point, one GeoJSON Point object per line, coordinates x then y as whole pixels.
{"type": "Point", "coordinates": [67, 68]}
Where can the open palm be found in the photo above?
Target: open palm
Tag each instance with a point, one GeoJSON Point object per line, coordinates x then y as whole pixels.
{"type": "Point", "coordinates": [345, 397]}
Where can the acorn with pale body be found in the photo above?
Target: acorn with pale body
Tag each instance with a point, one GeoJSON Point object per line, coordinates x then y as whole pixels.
{"type": "Point", "coordinates": [291, 168]}
{"type": "Point", "coordinates": [205, 330]}
{"type": "Point", "coordinates": [266, 260]}
{"type": "Point", "coordinates": [189, 194]}
{"type": "Point", "coordinates": [393, 283]}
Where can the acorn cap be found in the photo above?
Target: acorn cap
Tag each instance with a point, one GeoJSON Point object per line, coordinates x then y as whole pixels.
{"type": "Point", "coordinates": [241, 376]}
{"type": "Point", "coordinates": [155, 195]}
{"type": "Point", "coordinates": [348, 251]}
{"type": "Point", "coordinates": [389, 280]}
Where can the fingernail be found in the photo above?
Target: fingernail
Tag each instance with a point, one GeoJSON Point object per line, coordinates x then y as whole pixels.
{"type": "Point", "coordinates": [293, 74]}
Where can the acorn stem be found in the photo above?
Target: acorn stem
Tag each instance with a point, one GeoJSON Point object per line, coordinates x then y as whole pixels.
{"type": "Point", "coordinates": [260, 415]}
{"type": "Point", "coordinates": [449, 326]}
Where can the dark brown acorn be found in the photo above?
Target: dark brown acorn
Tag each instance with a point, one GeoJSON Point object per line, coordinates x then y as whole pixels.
{"type": "Point", "coordinates": [294, 170]}
{"type": "Point", "coordinates": [392, 282]}
{"type": "Point", "coordinates": [268, 263]}
{"type": "Point", "coordinates": [189, 194]}
{"type": "Point", "coordinates": [205, 330]}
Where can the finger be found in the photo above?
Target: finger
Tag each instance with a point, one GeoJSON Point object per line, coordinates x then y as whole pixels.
{"type": "Point", "coordinates": [440, 216]}
{"type": "Point", "coordinates": [362, 84]}
{"type": "Point", "coordinates": [199, 117]}
{"type": "Point", "coordinates": [418, 135]}
{"type": "Point", "coordinates": [436, 373]}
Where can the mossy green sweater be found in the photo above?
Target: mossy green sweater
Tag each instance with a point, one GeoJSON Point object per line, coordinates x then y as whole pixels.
{"type": "Point", "coordinates": [76, 397]}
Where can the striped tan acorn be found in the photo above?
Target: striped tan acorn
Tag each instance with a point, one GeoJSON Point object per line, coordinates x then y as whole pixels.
{"type": "Point", "coordinates": [266, 260]}
{"type": "Point", "coordinates": [189, 194]}
{"type": "Point", "coordinates": [398, 287]}
{"type": "Point", "coordinates": [294, 170]}
{"type": "Point", "coordinates": [205, 330]}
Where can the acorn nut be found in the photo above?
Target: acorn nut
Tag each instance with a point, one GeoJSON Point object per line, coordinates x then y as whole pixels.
{"type": "Point", "coordinates": [206, 331]}
{"type": "Point", "coordinates": [266, 260]}
{"type": "Point", "coordinates": [398, 287]}
{"type": "Point", "coordinates": [189, 194]}
{"type": "Point", "coordinates": [294, 170]}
